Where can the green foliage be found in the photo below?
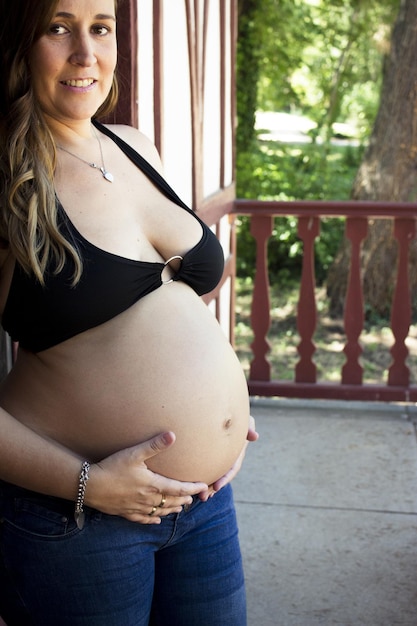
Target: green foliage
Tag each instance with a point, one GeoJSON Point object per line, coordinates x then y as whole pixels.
{"type": "Point", "coordinates": [323, 60]}
{"type": "Point", "coordinates": [280, 171]}
{"type": "Point", "coordinates": [351, 38]}
{"type": "Point", "coordinates": [289, 172]}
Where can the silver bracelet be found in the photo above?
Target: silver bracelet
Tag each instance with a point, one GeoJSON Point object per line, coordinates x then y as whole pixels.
{"type": "Point", "coordinates": [82, 483]}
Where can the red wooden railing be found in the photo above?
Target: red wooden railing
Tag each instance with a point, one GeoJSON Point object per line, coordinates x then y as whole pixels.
{"type": "Point", "coordinates": [351, 385]}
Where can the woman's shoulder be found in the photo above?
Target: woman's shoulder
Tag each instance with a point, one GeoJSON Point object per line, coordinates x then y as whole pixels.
{"type": "Point", "coordinates": [140, 142]}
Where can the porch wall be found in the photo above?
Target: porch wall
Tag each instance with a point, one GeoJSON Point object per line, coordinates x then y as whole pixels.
{"type": "Point", "coordinates": [185, 104]}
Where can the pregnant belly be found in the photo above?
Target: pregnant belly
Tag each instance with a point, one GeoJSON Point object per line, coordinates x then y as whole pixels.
{"type": "Point", "coordinates": [153, 369]}
{"type": "Point", "coordinates": [201, 397]}
{"type": "Point", "coordinates": [210, 419]}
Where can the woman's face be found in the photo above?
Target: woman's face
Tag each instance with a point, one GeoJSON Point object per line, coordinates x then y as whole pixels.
{"type": "Point", "coordinates": [72, 64]}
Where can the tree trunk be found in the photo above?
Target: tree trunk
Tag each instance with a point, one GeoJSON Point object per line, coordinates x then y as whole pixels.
{"type": "Point", "coordinates": [248, 69]}
{"type": "Point", "coordinates": [387, 173]}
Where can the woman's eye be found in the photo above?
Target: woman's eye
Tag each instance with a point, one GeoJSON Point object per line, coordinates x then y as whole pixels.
{"type": "Point", "coordinates": [57, 29]}
{"type": "Point", "coordinates": [97, 29]}
{"type": "Point", "coordinates": [101, 30]}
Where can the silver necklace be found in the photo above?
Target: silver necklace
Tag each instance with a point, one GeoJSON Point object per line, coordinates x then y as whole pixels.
{"type": "Point", "coordinates": [104, 172]}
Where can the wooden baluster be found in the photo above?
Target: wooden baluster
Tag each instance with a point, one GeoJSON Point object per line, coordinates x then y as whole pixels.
{"type": "Point", "coordinates": [305, 369]}
{"type": "Point", "coordinates": [260, 369]}
{"type": "Point", "coordinates": [399, 373]}
{"type": "Point", "coordinates": [356, 231]}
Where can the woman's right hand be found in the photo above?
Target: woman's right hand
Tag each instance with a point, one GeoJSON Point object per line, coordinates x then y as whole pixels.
{"type": "Point", "coordinates": [122, 484]}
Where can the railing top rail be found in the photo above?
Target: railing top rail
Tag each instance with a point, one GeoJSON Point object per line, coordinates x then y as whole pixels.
{"type": "Point", "coordinates": [326, 208]}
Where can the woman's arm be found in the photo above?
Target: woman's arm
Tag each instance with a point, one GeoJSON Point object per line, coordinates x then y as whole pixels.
{"type": "Point", "coordinates": [119, 485]}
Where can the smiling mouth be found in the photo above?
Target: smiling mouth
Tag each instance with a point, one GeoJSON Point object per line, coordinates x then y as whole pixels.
{"type": "Point", "coordinates": [86, 82]}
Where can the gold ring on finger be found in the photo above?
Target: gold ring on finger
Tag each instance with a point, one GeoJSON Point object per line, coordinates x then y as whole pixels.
{"type": "Point", "coordinates": [164, 499]}
{"type": "Point", "coordinates": [153, 511]}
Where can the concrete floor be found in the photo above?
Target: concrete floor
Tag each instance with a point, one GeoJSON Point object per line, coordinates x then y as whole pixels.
{"type": "Point", "coordinates": [327, 507]}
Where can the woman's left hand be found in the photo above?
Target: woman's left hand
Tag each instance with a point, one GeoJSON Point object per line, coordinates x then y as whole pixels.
{"type": "Point", "coordinates": [229, 476]}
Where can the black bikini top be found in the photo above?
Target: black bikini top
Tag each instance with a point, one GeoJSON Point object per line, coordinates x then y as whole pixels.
{"type": "Point", "coordinates": [39, 317]}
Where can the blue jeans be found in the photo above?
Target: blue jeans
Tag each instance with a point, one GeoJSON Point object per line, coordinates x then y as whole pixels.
{"type": "Point", "coordinates": [187, 571]}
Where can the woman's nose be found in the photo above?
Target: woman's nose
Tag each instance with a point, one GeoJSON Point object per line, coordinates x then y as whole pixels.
{"type": "Point", "coordinates": [83, 51]}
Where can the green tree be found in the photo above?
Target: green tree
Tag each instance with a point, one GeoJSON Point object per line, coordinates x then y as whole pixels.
{"type": "Point", "coordinates": [321, 58]}
{"type": "Point", "coordinates": [271, 37]}
{"type": "Point", "coordinates": [388, 170]}
{"type": "Point", "coordinates": [341, 73]}
{"type": "Point", "coordinates": [248, 69]}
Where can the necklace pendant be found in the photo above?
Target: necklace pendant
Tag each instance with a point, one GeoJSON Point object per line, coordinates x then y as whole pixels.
{"type": "Point", "coordinates": [107, 175]}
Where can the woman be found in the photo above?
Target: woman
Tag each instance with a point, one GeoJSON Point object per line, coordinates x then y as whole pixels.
{"type": "Point", "coordinates": [125, 416]}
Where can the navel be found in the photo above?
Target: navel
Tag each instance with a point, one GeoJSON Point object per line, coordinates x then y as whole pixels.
{"type": "Point", "coordinates": [228, 423]}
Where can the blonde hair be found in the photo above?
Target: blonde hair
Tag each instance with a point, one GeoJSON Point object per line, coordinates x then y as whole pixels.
{"type": "Point", "coordinates": [28, 211]}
